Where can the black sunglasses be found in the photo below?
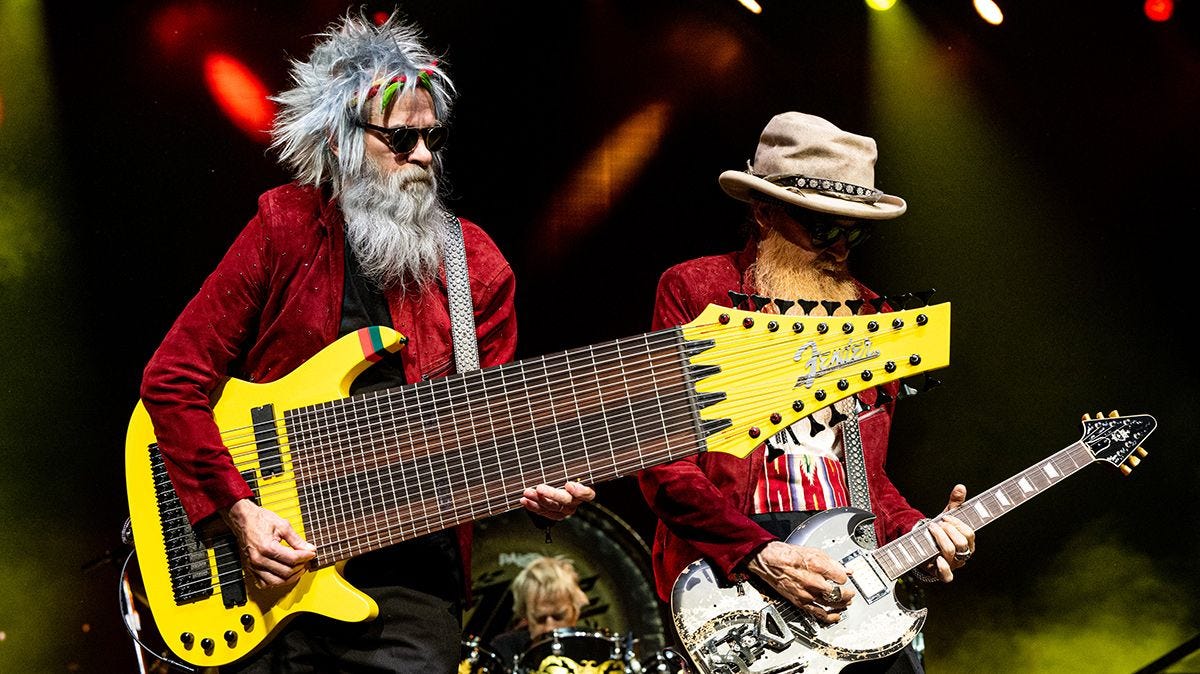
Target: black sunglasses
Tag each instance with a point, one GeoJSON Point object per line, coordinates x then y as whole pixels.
{"type": "Point", "coordinates": [823, 232]}
{"type": "Point", "coordinates": [403, 139]}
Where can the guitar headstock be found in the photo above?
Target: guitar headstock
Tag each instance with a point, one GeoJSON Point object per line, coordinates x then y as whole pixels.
{"type": "Point", "coordinates": [755, 373]}
{"type": "Point", "coordinates": [1117, 439]}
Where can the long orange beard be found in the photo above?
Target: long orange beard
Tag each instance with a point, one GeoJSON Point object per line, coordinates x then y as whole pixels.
{"type": "Point", "coordinates": [786, 271]}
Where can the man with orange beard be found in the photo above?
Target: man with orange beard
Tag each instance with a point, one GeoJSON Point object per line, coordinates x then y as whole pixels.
{"type": "Point", "coordinates": [812, 197]}
{"type": "Point", "coordinates": [360, 238]}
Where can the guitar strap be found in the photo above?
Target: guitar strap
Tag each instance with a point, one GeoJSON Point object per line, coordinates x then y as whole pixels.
{"type": "Point", "coordinates": [458, 289]}
{"type": "Point", "coordinates": [856, 474]}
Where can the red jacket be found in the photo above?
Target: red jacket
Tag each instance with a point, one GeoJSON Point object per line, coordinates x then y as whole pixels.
{"type": "Point", "coordinates": [274, 301]}
{"type": "Point", "coordinates": [703, 502]}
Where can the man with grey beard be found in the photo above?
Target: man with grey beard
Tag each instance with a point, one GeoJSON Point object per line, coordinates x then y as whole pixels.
{"type": "Point", "coordinates": [356, 240]}
{"type": "Point", "coordinates": [812, 197]}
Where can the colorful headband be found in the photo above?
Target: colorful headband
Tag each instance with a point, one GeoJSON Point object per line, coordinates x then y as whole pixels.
{"type": "Point", "coordinates": [396, 85]}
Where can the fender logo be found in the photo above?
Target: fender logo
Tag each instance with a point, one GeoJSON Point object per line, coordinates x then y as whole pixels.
{"type": "Point", "coordinates": [817, 363]}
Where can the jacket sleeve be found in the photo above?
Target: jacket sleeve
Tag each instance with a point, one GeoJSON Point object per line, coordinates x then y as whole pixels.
{"type": "Point", "coordinates": [191, 362]}
{"type": "Point", "coordinates": [895, 516]}
{"type": "Point", "coordinates": [680, 494]}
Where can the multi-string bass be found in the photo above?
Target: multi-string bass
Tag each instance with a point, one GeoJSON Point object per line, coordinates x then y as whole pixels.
{"type": "Point", "coordinates": [354, 474]}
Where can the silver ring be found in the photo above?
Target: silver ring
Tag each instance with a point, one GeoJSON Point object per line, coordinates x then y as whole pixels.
{"type": "Point", "coordinates": [962, 556]}
{"type": "Point", "coordinates": [834, 595]}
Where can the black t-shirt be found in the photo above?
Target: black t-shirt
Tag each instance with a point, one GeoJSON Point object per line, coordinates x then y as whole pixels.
{"type": "Point", "coordinates": [432, 563]}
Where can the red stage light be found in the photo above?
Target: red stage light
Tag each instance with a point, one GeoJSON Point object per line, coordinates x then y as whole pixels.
{"type": "Point", "coordinates": [241, 95]}
{"type": "Point", "coordinates": [380, 17]}
{"type": "Point", "coordinates": [1159, 10]}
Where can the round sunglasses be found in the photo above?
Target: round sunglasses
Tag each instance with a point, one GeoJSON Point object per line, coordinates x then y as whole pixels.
{"type": "Point", "coordinates": [403, 139]}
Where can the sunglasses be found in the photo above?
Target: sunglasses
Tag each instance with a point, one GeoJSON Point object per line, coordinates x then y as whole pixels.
{"type": "Point", "coordinates": [823, 232]}
{"type": "Point", "coordinates": [403, 139]}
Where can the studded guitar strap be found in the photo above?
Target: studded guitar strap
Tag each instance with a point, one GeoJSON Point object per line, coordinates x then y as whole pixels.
{"type": "Point", "coordinates": [458, 288]}
{"type": "Point", "coordinates": [856, 474]}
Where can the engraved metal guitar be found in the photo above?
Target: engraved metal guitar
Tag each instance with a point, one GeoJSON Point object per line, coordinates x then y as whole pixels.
{"type": "Point", "coordinates": [745, 627]}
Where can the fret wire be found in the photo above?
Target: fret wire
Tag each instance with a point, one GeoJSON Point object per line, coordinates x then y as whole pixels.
{"type": "Point", "coordinates": [1066, 462]}
{"type": "Point", "coordinates": [468, 485]}
{"type": "Point", "coordinates": [574, 418]}
{"type": "Point", "coordinates": [399, 434]}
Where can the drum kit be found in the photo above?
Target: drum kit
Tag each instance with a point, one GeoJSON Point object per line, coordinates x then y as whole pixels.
{"type": "Point", "coordinates": [574, 651]}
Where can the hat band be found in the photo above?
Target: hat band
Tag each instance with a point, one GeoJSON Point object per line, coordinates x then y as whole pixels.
{"type": "Point", "coordinates": [837, 188]}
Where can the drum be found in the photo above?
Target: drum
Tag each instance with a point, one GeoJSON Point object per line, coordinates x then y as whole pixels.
{"type": "Point", "coordinates": [666, 661]}
{"type": "Point", "coordinates": [479, 660]}
{"type": "Point", "coordinates": [572, 651]}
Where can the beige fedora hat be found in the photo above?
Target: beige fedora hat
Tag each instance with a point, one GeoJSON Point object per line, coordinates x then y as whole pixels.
{"type": "Point", "coordinates": [807, 161]}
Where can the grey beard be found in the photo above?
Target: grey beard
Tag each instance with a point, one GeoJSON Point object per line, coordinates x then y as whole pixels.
{"type": "Point", "coordinates": [394, 224]}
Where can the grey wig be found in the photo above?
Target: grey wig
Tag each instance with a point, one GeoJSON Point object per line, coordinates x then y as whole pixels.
{"type": "Point", "coordinates": [330, 95]}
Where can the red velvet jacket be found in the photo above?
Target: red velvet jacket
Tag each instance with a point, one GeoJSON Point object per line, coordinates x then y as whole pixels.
{"type": "Point", "coordinates": [273, 302]}
{"type": "Point", "coordinates": [703, 501]}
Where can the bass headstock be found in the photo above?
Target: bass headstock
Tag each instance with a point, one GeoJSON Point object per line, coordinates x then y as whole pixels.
{"type": "Point", "coordinates": [755, 373]}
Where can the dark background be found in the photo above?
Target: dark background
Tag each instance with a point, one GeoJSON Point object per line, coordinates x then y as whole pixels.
{"type": "Point", "coordinates": [1048, 164]}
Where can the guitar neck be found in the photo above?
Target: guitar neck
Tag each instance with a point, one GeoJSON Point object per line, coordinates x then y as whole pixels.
{"type": "Point", "coordinates": [916, 547]}
{"type": "Point", "coordinates": [379, 468]}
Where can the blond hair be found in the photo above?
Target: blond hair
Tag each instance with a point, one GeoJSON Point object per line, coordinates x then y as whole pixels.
{"type": "Point", "coordinates": [547, 579]}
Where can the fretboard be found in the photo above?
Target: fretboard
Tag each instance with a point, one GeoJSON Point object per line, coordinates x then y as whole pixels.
{"type": "Point", "coordinates": [383, 467]}
{"type": "Point", "coordinates": [914, 548]}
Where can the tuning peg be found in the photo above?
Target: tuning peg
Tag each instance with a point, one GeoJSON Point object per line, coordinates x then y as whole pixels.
{"type": "Point", "coordinates": [1113, 414]}
{"type": "Point", "coordinates": [1087, 417]}
{"type": "Point", "coordinates": [898, 302]}
{"type": "Point", "coordinates": [878, 303]}
{"type": "Point", "coordinates": [924, 296]}
{"type": "Point", "coordinates": [784, 305]}
{"type": "Point", "coordinates": [737, 298]}
{"type": "Point", "coordinates": [836, 417]}
{"type": "Point", "coordinates": [830, 306]}
{"type": "Point", "coordinates": [859, 405]}
{"type": "Point", "coordinates": [906, 391]}
{"type": "Point", "coordinates": [816, 426]}
{"type": "Point", "coordinates": [882, 398]}
{"type": "Point", "coordinates": [1133, 461]}
{"type": "Point", "coordinates": [930, 383]}
{"type": "Point", "coordinates": [1125, 470]}
{"type": "Point", "coordinates": [1099, 415]}
{"type": "Point", "coordinates": [760, 301]}
{"type": "Point", "coordinates": [854, 305]}
{"type": "Point", "coordinates": [806, 305]}
{"type": "Point", "coordinates": [1141, 452]}
{"type": "Point", "coordinates": [773, 452]}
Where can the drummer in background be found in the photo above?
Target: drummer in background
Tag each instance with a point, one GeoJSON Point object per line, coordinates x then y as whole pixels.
{"type": "Point", "coordinates": [546, 596]}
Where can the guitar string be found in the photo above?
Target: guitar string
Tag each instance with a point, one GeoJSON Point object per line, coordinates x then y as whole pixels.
{"type": "Point", "coordinates": [552, 392]}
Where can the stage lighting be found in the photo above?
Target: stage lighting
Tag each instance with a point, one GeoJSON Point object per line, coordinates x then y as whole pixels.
{"type": "Point", "coordinates": [1159, 10]}
{"type": "Point", "coordinates": [990, 11]}
{"type": "Point", "coordinates": [752, 6]}
{"type": "Point", "coordinates": [240, 93]}
{"type": "Point", "coordinates": [881, 5]}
